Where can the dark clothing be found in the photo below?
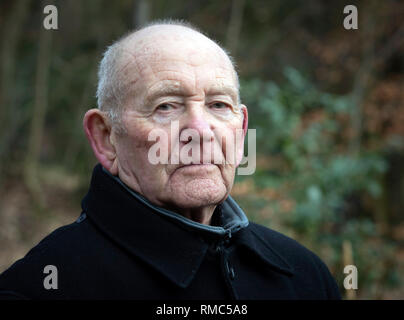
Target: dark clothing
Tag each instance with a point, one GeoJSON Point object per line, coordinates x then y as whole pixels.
{"type": "Point", "coordinates": [123, 247]}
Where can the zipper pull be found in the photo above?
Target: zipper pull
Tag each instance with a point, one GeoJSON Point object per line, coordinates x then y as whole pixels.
{"type": "Point", "coordinates": [227, 238]}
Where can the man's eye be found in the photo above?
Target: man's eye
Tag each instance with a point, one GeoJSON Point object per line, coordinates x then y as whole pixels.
{"type": "Point", "coordinates": [219, 105]}
{"type": "Point", "coordinates": [164, 107]}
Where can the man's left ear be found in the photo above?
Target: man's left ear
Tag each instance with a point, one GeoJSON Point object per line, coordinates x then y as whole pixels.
{"type": "Point", "coordinates": [240, 144]}
{"type": "Point", "coordinates": [245, 119]}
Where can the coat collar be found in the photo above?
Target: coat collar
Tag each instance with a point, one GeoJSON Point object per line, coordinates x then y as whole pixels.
{"type": "Point", "coordinates": [166, 242]}
{"type": "Point", "coordinates": [229, 216]}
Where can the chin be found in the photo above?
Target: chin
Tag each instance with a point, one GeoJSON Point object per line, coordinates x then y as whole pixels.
{"type": "Point", "coordinates": [197, 191]}
{"type": "Point", "coordinates": [188, 199]}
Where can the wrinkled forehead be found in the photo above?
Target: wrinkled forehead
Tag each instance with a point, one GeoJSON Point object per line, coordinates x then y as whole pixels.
{"type": "Point", "coordinates": [143, 52]}
{"type": "Point", "coordinates": [157, 40]}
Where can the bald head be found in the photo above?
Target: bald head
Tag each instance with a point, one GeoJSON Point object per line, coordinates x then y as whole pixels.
{"type": "Point", "coordinates": [126, 60]}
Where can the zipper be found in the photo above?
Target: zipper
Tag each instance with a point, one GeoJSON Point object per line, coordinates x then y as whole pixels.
{"type": "Point", "coordinates": [227, 269]}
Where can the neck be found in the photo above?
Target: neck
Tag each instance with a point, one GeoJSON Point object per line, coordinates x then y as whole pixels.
{"type": "Point", "coordinates": [201, 215]}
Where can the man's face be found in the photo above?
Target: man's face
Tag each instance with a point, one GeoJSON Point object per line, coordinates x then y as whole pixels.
{"type": "Point", "coordinates": [188, 82]}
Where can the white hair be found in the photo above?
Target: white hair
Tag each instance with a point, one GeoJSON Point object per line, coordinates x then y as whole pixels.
{"type": "Point", "coordinates": [112, 86]}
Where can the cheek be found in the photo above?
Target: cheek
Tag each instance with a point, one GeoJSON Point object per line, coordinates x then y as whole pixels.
{"type": "Point", "coordinates": [231, 136]}
{"type": "Point", "coordinates": [134, 145]}
{"type": "Point", "coordinates": [142, 140]}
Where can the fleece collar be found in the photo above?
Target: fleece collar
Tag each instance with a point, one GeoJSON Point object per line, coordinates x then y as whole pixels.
{"type": "Point", "coordinates": [170, 243]}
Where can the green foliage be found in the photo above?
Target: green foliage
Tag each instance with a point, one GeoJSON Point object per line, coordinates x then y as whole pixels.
{"type": "Point", "coordinates": [301, 128]}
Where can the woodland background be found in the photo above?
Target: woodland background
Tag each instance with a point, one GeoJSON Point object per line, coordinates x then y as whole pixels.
{"type": "Point", "coordinates": [327, 104]}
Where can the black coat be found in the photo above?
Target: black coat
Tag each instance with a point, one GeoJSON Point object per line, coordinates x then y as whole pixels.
{"type": "Point", "coordinates": [120, 248]}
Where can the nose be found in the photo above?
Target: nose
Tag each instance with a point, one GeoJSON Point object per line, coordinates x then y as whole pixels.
{"type": "Point", "coordinates": [196, 136]}
{"type": "Point", "coordinates": [198, 120]}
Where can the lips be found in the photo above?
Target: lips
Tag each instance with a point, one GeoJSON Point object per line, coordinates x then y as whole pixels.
{"type": "Point", "coordinates": [196, 167]}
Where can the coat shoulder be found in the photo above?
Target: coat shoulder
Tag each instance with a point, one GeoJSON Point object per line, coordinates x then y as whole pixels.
{"type": "Point", "coordinates": [70, 249]}
{"type": "Point", "coordinates": [304, 262]}
{"type": "Point", "coordinates": [279, 242]}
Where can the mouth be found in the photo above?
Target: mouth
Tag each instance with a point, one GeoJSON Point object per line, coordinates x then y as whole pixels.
{"type": "Point", "coordinates": [196, 167]}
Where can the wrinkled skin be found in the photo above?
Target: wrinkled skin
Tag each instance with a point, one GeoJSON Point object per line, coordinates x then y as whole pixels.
{"type": "Point", "coordinates": [175, 74]}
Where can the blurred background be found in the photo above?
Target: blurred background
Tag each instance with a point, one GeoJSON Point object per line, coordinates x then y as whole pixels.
{"type": "Point", "coordinates": [327, 104]}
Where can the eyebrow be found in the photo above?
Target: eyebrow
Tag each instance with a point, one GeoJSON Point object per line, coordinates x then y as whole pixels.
{"type": "Point", "coordinates": [173, 89]}
{"type": "Point", "coordinates": [163, 90]}
{"type": "Point", "coordinates": [224, 90]}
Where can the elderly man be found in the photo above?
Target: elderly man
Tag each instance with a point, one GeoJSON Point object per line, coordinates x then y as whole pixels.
{"type": "Point", "coordinates": [166, 229]}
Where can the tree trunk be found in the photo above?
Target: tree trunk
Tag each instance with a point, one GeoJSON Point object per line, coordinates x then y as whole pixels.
{"type": "Point", "coordinates": [11, 35]}
{"type": "Point", "coordinates": [141, 12]}
{"type": "Point", "coordinates": [38, 117]}
{"type": "Point", "coordinates": [234, 28]}
{"type": "Point", "coordinates": [347, 257]}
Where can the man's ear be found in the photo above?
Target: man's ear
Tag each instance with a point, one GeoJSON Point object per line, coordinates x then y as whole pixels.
{"type": "Point", "coordinates": [99, 133]}
{"type": "Point", "coordinates": [245, 118]}
{"type": "Point", "coordinates": [240, 144]}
